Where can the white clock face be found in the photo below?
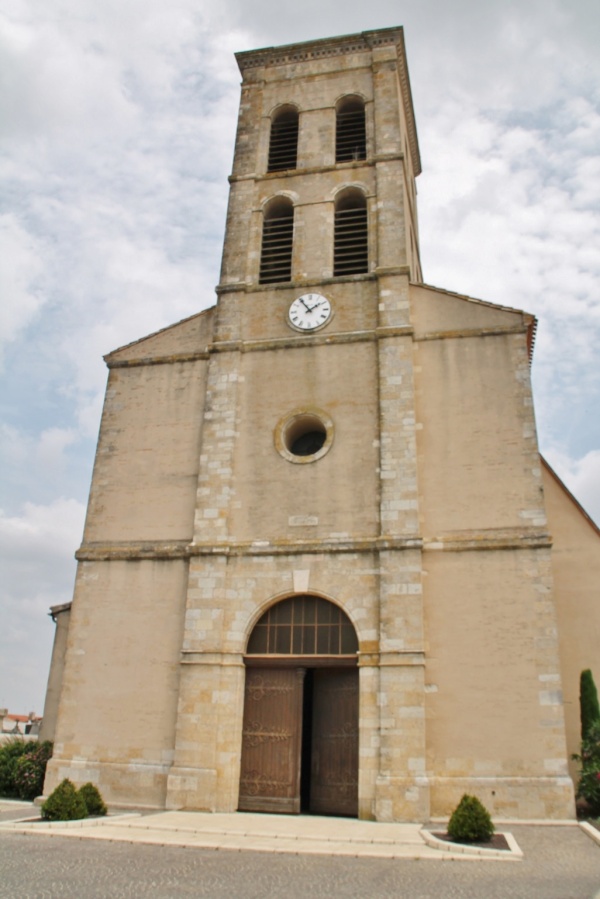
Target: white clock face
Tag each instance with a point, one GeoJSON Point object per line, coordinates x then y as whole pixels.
{"type": "Point", "coordinates": [310, 311]}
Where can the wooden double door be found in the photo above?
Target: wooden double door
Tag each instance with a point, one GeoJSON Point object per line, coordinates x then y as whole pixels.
{"type": "Point", "coordinates": [300, 741]}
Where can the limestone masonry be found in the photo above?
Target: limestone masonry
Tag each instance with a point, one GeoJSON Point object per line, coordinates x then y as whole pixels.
{"type": "Point", "coordinates": [324, 568]}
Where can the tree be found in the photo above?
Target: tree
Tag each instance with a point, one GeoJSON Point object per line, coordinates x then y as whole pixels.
{"type": "Point", "coordinates": [588, 787]}
{"type": "Point", "coordinates": [588, 703]}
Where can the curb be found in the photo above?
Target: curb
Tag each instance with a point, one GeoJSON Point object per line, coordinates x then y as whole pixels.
{"type": "Point", "coordinates": [513, 853]}
{"type": "Point", "coordinates": [591, 831]}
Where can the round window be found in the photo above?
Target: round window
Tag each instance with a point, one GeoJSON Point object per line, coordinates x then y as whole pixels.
{"type": "Point", "coordinates": [304, 435]}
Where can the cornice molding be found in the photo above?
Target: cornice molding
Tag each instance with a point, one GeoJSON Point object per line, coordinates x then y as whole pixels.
{"type": "Point", "coordinates": [289, 54]}
{"type": "Point", "coordinates": [372, 162]}
{"type": "Point", "coordinates": [465, 541]}
{"type": "Point", "coordinates": [460, 333]}
{"type": "Point", "coordinates": [159, 360]}
{"type": "Point", "coordinates": [320, 339]}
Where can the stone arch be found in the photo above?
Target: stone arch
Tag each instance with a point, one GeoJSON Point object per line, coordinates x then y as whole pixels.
{"type": "Point", "coordinates": [301, 709]}
{"type": "Point", "coordinates": [277, 240]}
{"type": "Point", "coordinates": [304, 624]}
{"type": "Point", "coordinates": [350, 129]}
{"type": "Point", "coordinates": [283, 139]}
{"type": "Point", "coordinates": [351, 236]}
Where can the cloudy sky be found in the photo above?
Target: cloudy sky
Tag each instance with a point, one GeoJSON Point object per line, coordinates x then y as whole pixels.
{"type": "Point", "coordinates": [117, 120]}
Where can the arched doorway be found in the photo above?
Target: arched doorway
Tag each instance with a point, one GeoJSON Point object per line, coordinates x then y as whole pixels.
{"type": "Point", "coordinates": [300, 730]}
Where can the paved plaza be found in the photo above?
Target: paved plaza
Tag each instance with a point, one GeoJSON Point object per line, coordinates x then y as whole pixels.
{"type": "Point", "coordinates": [560, 862]}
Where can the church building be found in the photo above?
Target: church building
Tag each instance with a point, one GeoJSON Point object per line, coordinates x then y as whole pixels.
{"type": "Point", "coordinates": [324, 568]}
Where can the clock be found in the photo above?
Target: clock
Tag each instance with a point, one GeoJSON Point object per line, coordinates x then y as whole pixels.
{"type": "Point", "coordinates": [309, 312]}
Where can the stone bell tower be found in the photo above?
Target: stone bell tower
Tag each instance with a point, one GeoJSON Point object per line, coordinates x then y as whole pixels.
{"type": "Point", "coordinates": [316, 534]}
{"type": "Point", "coordinates": [307, 482]}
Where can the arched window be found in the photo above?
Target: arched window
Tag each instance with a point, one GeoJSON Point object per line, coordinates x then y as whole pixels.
{"type": "Point", "coordinates": [277, 239]}
{"type": "Point", "coordinates": [350, 248]}
{"type": "Point", "coordinates": [303, 625]}
{"type": "Point", "coordinates": [350, 131]}
{"type": "Point", "coordinates": [283, 145]}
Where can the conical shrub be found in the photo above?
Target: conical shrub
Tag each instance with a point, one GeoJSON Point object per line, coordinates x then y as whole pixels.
{"type": "Point", "coordinates": [470, 822]}
{"type": "Point", "coordinates": [93, 800]}
{"type": "Point", "coordinates": [64, 804]}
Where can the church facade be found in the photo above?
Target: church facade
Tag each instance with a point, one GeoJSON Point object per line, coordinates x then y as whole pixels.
{"type": "Point", "coordinates": [324, 568]}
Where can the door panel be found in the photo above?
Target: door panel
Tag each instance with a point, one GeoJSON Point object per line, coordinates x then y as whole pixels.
{"type": "Point", "coordinates": [271, 740]}
{"type": "Point", "coordinates": [334, 762]}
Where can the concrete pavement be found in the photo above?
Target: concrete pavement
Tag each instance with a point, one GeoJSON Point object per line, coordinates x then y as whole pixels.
{"type": "Point", "coordinates": [296, 834]}
{"type": "Point", "coordinates": [559, 863]}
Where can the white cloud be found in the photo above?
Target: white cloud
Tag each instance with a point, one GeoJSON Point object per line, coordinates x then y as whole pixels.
{"type": "Point", "coordinates": [19, 269]}
{"type": "Point", "coordinates": [42, 532]}
{"type": "Point", "coordinates": [36, 549]}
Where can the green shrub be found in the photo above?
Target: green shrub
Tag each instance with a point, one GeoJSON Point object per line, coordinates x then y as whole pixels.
{"type": "Point", "coordinates": [64, 804]}
{"type": "Point", "coordinates": [470, 822]}
{"type": "Point", "coordinates": [588, 702]}
{"type": "Point", "coordinates": [11, 752]}
{"type": "Point", "coordinates": [93, 800]}
{"type": "Point", "coordinates": [588, 787]}
{"type": "Point", "coordinates": [30, 770]}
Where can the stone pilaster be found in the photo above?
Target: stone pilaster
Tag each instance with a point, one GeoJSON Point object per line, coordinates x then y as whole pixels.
{"type": "Point", "coordinates": [215, 492]}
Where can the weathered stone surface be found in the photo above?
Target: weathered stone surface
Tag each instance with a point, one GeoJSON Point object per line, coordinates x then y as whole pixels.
{"type": "Point", "coordinates": [424, 519]}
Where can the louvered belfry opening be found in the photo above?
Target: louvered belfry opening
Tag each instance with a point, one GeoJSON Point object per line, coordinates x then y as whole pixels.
{"type": "Point", "coordinates": [350, 250]}
{"type": "Point", "coordinates": [350, 131]}
{"type": "Point", "coordinates": [283, 146]}
{"type": "Point", "coordinates": [277, 241]}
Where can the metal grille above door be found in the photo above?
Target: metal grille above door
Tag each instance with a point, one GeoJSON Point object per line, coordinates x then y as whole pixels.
{"type": "Point", "coordinates": [303, 625]}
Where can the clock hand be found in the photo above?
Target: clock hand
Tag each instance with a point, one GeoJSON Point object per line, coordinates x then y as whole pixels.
{"type": "Point", "coordinates": [308, 308]}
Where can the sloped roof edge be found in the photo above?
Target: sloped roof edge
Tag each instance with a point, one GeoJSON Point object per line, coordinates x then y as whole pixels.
{"type": "Point", "coordinates": [566, 490]}
{"type": "Point", "coordinates": [127, 346]}
{"type": "Point", "coordinates": [530, 319]}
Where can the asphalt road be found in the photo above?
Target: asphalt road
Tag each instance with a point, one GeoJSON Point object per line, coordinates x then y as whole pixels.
{"type": "Point", "coordinates": [560, 863]}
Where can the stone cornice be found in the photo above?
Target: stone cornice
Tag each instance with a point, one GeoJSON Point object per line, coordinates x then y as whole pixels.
{"type": "Point", "coordinates": [501, 538]}
{"type": "Point", "coordinates": [55, 611]}
{"type": "Point", "coordinates": [318, 170]}
{"type": "Point", "coordinates": [304, 340]}
{"type": "Point", "coordinates": [229, 659]}
{"type": "Point", "coordinates": [305, 284]}
{"type": "Point", "coordinates": [320, 339]}
{"type": "Point", "coordinates": [159, 360]}
{"type": "Point", "coordinates": [463, 541]}
{"type": "Point", "coordinates": [471, 332]}
{"type": "Point", "coordinates": [290, 54]}
{"type": "Point", "coordinates": [131, 551]}
{"type": "Point", "coordinates": [275, 343]}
